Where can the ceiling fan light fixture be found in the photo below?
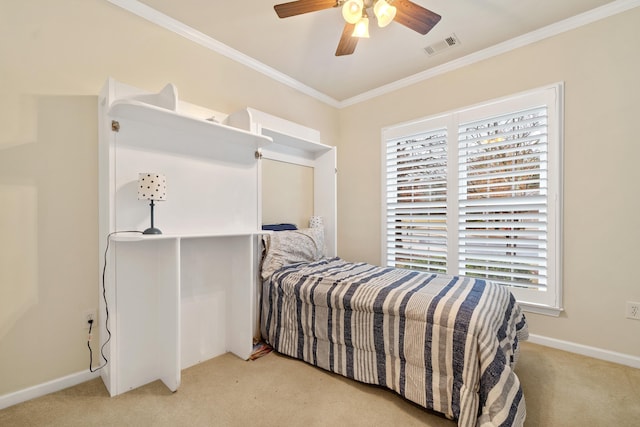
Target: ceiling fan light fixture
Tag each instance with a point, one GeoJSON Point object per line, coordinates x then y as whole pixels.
{"type": "Point", "coordinates": [352, 11]}
{"type": "Point", "coordinates": [361, 29]}
{"type": "Point", "coordinates": [355, 13]}
{"type": "Point", "coordinates": [384, 12]}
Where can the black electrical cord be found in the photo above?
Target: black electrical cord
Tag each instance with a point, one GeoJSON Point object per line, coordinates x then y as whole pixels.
{"type": "Point", "coordinates": [106, 308]}
{"type": "Point", "coordinates": [91, 351]}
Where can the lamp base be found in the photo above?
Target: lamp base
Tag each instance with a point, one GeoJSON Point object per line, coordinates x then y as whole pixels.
{"type": "Point", "coordinates": [152, 230]}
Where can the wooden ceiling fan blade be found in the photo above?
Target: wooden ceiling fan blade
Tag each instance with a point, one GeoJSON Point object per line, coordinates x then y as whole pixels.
{"type": "Point", "coordinates": [347, 44]}
{"type": "Point", "coordinates": [415, 17]}
{"type": "Point", "coordinates": [299, 7]}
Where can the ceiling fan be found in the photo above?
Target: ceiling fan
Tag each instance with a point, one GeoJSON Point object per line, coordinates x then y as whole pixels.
{"type": "Point", "coordinates": [355, 13]}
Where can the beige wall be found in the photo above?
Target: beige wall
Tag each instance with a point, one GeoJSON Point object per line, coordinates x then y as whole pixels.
{"type": "Point", "coordinates": [48, 256]}
{"type": "Point", "coordinates": [600, 68]}
{"type": "Point", "coordinates": [287, 191]}
{"type": "Point", "coordinates": [55, 56]}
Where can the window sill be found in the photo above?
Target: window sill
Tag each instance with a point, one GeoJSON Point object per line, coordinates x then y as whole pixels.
{"type": "Point", "coordinates": [540, 309]}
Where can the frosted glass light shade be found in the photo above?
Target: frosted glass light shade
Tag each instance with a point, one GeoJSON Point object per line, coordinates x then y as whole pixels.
{"type": "Point", "coordinates": [352, 11]}
{"type": "Point", "coordinates": [152, 186]}
{"type": "Point", "coordinates": [362, 28]}
{"type": "Point", "coordinates": [384, 12]}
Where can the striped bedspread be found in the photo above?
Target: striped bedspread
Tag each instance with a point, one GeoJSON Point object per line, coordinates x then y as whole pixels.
{"type": "Point", "coordinates": [446, 343]}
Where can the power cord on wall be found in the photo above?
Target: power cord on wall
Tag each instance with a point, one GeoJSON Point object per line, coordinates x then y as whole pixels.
{"type": "Point", "coordinates": [106, 308]}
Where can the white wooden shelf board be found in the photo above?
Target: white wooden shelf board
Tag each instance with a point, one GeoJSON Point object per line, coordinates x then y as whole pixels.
{"type": "Point", "coordinates": [136, 110]}
{"type": "Point", "coordinates": [296, 142]}
{"type": "Point", "coordinates": [138, 237]}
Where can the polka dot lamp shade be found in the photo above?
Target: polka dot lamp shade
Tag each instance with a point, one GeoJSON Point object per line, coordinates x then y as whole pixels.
{"type": "Point", "coordinates": [152, 186]}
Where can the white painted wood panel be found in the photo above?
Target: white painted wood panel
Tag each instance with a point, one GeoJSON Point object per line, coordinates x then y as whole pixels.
{"type": "Point", "coordinates": [189, 294]}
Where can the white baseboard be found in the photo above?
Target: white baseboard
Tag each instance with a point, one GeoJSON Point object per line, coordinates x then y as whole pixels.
{"type": "Point", "coordinates": [46, 388]}
{"type": "Point", "coordinates": [585, 350]}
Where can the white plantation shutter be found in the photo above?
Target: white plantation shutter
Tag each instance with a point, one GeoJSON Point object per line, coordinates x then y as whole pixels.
{"type": "Point", "coordinates": [480, 195]}
{"type": "Point", "coordinates": [416, 202]}
{"type": "Point", "coordinates": [502, 198]}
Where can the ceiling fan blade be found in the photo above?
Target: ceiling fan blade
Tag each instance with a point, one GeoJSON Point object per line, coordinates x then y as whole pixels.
{"type": "Point", "coordinates": [347, 44]}
{"type": "Point", "coordinates": [299, 7]}
{"type": "Point", "coordinates": [415, 17]}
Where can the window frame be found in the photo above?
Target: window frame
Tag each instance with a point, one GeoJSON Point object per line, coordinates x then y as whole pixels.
{"type": "Point", "coordinates": [544, 302]}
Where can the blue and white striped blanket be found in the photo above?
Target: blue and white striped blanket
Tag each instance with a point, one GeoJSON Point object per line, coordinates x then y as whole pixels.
{"type": "Point", "coordinates": [446, 343]}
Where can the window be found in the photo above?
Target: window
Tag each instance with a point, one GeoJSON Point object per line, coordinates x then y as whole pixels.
{"type": "Point", "coordinates": [476, 192]}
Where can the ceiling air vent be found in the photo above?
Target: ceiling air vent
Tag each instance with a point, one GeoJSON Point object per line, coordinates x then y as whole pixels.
{"type": "Point", "coordinates": [443, 45]}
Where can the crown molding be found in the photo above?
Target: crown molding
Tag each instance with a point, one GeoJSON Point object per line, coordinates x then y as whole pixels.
{"type": "Point", "coordinates": [164, 21]}
{"type": "Point", "coordinates": [568, 24]}
{"type": "Point", "coordinates": [158, 18]}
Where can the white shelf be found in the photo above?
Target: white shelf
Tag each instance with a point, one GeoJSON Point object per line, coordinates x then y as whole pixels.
{"type": "Point", "coordinates": [190, 294]}
{"type": "Point", "coordinates": [296, 142]}
{"type": "Point", "coordinates": [283, 132]}
{"type": "Point", "coordinates": [132, 109]}
{"type": "Point", "coordinates": [187, 295]}
{"type": "Point", "coordinates": [138, 237]}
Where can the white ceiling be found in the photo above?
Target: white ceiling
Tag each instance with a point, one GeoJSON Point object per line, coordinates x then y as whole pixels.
{"type": "Point", "coordinates": [301, 49]}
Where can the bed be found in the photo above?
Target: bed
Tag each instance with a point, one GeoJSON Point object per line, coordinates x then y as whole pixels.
{"type": "Point", "coordinates": [447, 343]}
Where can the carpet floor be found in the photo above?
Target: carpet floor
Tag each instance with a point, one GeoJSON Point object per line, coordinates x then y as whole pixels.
{"type": "Point", "coordinates": [561, 389]}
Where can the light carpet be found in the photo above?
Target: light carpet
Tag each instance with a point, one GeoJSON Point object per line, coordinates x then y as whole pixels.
{"type": "Point", "coordinates": [561, 389]}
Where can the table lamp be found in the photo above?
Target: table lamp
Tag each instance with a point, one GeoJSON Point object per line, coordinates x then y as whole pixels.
{"type": "Point", "coordinates": [152, 186]}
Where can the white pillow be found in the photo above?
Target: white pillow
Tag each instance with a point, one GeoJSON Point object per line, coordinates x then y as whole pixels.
{"type": "Point", "coordinates": [291, 247]}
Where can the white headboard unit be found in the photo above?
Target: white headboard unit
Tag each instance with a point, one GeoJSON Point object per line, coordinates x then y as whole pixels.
{"type": "Point", "coordinates": [297, 144]}
{"type": "Point", "coordinates": [188, 294]}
